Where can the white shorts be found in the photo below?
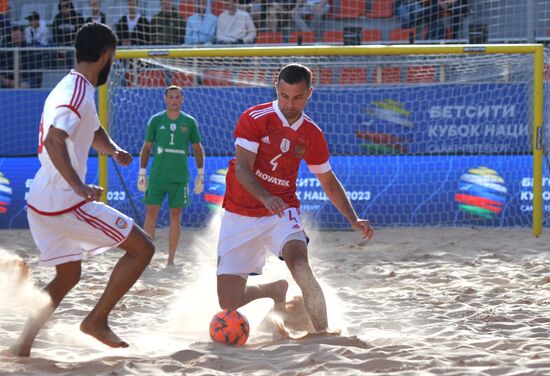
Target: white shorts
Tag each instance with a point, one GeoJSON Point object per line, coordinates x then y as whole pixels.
{"type": "Point", "coordinates": [93, 228]}
{"type": "Point", "coordinates": [243, 240]}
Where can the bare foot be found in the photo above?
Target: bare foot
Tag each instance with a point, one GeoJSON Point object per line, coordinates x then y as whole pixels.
{"type": "Point", "coordinates": [17, 350]}
{"type": "Point", "coordinates": [102, 333]}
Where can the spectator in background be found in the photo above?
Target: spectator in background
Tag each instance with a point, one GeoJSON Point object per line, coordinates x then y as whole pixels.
{"type": "Point", "coordinates": [28, 60]}
{"type": "Point", "coordinates": [431, 15]}
{"type": "Point", "coordinates": [167, 26]}
{"type": "Point", "coordinates": [458, 10]}
{"type": "Point", "coordinates": [201, 26]}
{"type": "Point", "coordinates": [97, 14]}
{"type": "Point", "coordinates": [66, 23]}
{"type": "Point", "coordinates": [5, 22]}
{"type": "Point", "coordinates": [316, 8]}
{"type": "Point", "coordinates": [133, 28]}
{"type": "Point", "coordinates": [409, 13]}
{"type": "Point", "coordinates": [36, 34]}
{"type": "Point", "coordinates": [235, 26]}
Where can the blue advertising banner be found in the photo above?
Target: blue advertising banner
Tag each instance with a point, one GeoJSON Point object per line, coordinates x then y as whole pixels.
{"type": "Point", "coordinates": [434, 119]}
{"type": "Point", "coordinates": [388, 190]}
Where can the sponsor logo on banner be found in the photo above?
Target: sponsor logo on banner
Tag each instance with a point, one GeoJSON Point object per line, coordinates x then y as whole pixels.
{"type": "Point", "coordinates": [482, 193]}
{"type": "Point", "coordinates": [285, 145]}
{"type": "Point", "coordinates": [121, 223]}
{"type": "Point", "coordinates": [5, 194]}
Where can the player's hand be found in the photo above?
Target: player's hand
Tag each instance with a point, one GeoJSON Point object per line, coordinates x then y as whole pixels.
{"type": "Point", "coordinates": [142, 180]}
{"type": "Point", "coordinates": [199, 181]}
{"type": "Point", "coordinates": [275, 205]}
{"type": "Point", "coordinates": [122, 157]}
{"type": "Point", "coordinates": [364, 227]}
{"type": "Point", "coordinates": [89, 192]}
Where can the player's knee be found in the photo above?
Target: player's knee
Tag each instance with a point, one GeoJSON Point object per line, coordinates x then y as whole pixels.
{"type": "Point", "coordinates": [69, 278]}
{"type": "Point", "coordinates": [296, 261]}
{"type": "Point", "coordinates": [148, 251]}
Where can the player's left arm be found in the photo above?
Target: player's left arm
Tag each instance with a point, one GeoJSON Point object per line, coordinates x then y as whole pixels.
{"type": "Point", "coordinates": [337, 195]}
{"type": "Point", "coordinates": [105, 145]}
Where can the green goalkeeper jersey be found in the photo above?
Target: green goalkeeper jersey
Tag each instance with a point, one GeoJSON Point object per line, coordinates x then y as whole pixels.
{"type": "Point", "coordinates": [171, 139]}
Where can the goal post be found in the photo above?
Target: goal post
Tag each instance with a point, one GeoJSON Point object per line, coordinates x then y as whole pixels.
{"type": "Point", "coordinates": [507, 78]}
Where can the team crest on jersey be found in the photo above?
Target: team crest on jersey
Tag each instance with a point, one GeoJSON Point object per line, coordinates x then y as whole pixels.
{"type": "Point", "coordinates": [285, 145]}
{"type": "Point", "coordinates": [121, 223]}
{"type": "Point", "coordinates": [172, 127]}
{"type": "Point", "coordinates": [299, 151]}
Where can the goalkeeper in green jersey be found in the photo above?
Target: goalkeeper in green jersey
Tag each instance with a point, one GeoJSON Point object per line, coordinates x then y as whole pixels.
{"type": "Point", "coordinates": [170, 132]}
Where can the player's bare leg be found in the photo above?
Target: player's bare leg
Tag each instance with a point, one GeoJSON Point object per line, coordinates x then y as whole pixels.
{"type": "Point", "coordinates": [234, 293]}
{"type": "Point", "coordinates": [296, 258]}
{"type": "Point", "coordinates": [139, 251]}
{"type": "Point", "coordinates": [66, 277]}
{"type": "Point", "coordinates": [151, 215]}
{"type": "Point", "coordinates": [174, 234]}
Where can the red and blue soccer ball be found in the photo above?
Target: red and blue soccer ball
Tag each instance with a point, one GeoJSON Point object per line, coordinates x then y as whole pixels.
{"type": "Point", "coordinates": [229, 327]}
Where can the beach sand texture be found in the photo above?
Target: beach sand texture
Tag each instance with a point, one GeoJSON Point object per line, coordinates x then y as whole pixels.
{"type": "Point", "coordinates": [413, 301]}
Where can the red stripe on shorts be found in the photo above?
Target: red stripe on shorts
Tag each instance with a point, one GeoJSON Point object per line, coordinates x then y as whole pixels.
{"type": "Point", "coordinates": [95, 223]}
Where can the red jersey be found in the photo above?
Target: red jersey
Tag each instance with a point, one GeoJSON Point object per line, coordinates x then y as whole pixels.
{"type": "Point", "coordinates": [279, 148]}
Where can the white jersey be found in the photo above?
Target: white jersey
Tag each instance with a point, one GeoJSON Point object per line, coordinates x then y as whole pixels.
{"type": "Point", "coordinates": [70, 107]}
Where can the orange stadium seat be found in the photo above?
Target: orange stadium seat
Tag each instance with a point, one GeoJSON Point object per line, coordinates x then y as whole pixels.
{"type": "Point", "coordinates": [186, 8]}
{"type": "Point", "coordinates": [326, 75]}
{"type": "Point", "coordinates": [273, 37]}
{"type": "Point", "coordinates": [217, 7]}
{"type": "Point", "coordinates": [250, 77]}
{"type": "Point", "coordinates": [371, 35]}
{"type": "Point", "coordinates": [152, 78]}
{"type": "Point", "coordinates": [420, 74]}
{"type": "Point", "coordinates": [402, 35]}
{"type": "Point", "coordinates": [389, 75]}
{"type": "Point", "coordinates": [350, 9]}
{"type": "Point", "coordinates": [352, 75]}
{"type": "Point", "coordinates": [307, 37]}
{"type": "Point", "coordinates": [216, 77]}
{"type": "Point", "coordinates": [381, 9]}
{"type": "Point", "coordinates": [182, 79]}
{"type": "Point", "coordinates": [333, 36]}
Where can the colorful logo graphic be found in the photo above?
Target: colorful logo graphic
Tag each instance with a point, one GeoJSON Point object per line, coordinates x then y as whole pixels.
{"type": "Point", "coordinates": [5, 194]}
{"type": "Point", "coordinates": [215, 189]}
{"type": "Point", "coordinates": [388, 118]}
{"type": "Point", "coordinates": [482, 193]}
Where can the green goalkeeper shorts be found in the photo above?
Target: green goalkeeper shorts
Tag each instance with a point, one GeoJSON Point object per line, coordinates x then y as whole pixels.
{"type": "Point", "coordinates": [178, 194]}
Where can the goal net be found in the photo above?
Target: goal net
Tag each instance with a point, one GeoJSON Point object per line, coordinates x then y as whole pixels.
{"type": "Point", "coordinates": [419, 136]}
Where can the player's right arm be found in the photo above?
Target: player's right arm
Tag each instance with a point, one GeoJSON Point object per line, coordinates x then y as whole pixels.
{"type": "Point", "coordinates": [55, 144]}
{"type": "Point", "coordinates": [244, 171]}
{"type": "Point", "coordinates": [144, 155]}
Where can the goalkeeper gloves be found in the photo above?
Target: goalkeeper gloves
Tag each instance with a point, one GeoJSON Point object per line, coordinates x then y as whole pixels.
{"type": "Point", "coordinates": [142, 180]}
{"type": "Point", "coordinates": [199, 181]}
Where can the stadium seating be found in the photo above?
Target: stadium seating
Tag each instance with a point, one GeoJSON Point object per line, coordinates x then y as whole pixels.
{"type": "Point", "coordinates": [352, 75]}
{"type": "Point", "coordinates": [152, 78]}
{"type": "Point", "coordinates": [388, 75]}
{"type": "Point", "coordinates": [182, 79]}
{"type": "Point", "coordinates": [381, 9]}
{"type": "Point", "coordinates": [333, 36]}
{"type": "Point", "coordinates": [323, 76]}
{"type": "Point", "coordinates": [217, 7]}
{"type": "Point", "coordinates": [216, 77]}
{"type": "Point", "coordinates": [186, 8]}
{"type": "Point", "coordinates": [420, 74]}
{"type": "Point", "coordinates": [371, 35]}
{"type": "Point", "coordinates": [402, 35]}
{"type": "Point", "coordinates": [274, 37]}
{"type": "Point", "coordinates": [307, 37]}
{"type": "Point", "coordinates": [350, 9]}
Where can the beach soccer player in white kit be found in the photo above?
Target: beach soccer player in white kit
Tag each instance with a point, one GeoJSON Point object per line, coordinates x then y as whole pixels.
{"type": "Point", "coordinates": [65, 217]}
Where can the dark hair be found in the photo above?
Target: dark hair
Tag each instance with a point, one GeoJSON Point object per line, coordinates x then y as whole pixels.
{"type": "Point", "coordinates": [173, 87]}
{"type": "Point", "coordinates": [92, 40]}
{"type": "Point", "coordinates": [295, 73]}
